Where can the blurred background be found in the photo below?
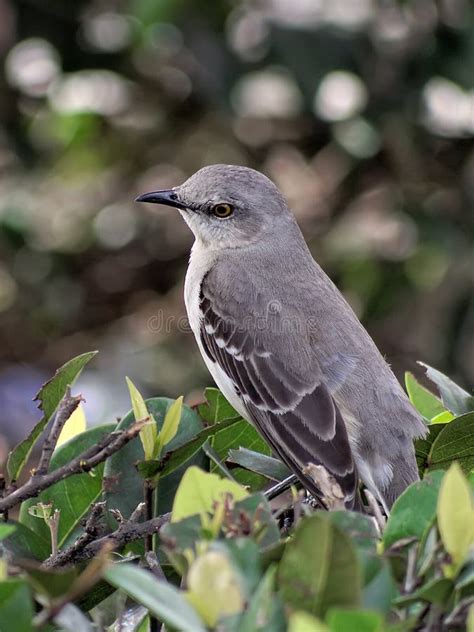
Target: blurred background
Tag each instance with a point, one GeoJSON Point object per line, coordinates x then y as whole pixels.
{"type": "Point", "coordinates": [362, 112]}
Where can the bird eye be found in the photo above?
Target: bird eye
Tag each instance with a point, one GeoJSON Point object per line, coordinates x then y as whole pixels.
{"type": "Point", "coordinates": [222, 210]}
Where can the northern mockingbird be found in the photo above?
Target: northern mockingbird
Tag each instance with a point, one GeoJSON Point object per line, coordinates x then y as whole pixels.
{"type": "Point", "coordinates": [281, 342]}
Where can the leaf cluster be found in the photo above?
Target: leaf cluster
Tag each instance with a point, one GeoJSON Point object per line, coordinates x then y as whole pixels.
{"type": "Point", "coordinates": [192, 523]}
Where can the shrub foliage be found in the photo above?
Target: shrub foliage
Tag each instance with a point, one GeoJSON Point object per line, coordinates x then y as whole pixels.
{"type": "Point", "coordinates": [181, 517]}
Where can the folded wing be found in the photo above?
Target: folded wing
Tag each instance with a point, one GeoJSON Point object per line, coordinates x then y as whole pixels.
{"type": "Point", "coordinates": [292, 408]}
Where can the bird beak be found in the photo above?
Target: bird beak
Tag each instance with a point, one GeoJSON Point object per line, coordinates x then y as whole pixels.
{"type": "Point", "coordinates": [169, 197]}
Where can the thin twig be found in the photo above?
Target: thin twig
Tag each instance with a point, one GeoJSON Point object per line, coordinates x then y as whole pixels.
{"type": "Point", "coordinates": [67, 406]}
{"type": "Point", "coordinates": [126, 532]}
{"type": "Point", "coordinates": [149, 497]}
{"type": "Point", "coordinates": [3, 485]}
{"type": "Point", "coordinates": [279, 488]}
{"type": "Point", "coordinates": [92, 529]}
{"type": "Point", "coordinates": [410, 575]}
{"type": "Point", "coordinates": [86, 580]}
{"type": "Point", "coordinates": [137, 512]}
{"type": "Point", "coordinates": [85, 462]}
{"type": "Point", "coordinates": [155, 566]}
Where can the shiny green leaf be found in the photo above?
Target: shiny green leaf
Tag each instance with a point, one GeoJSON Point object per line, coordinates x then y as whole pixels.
{"type": "Point", "coordinates": [259, 463]}
{"type": "Point", "coordinates": [414, 511]}
{"type": "Point", "coordinates": [149, 433]}
{"type": "Point", "coordinates": [16, 606]}
{"type": "Point", "coordinates": [454, 398]}
{"type": "Point", "coordinates": [425, 402]}
{"type": "Point", "coordinates": [319, 569]}
{"type": "Point", "coordinates": [182, 455]}
{"type": "Point", "coordinates": [353, 620]}
{"type": "Point", "coordinates": [73, 496]}
{"type": "Point", "coordinates": [49, 396]}
{"type": "Point", "coordinates": [170, 425]}
{"type": "Point", "coordinates": [216, 408]}
{"type": "Point", "coordinates": [123, 485]}
{"type": "Point", "coordinates": [162, 599]}
{"type": "Point", "coordinates": [455, 442]}
{"type": "Point", "coordinates": [199, 491]}
{"type": "Point", "coordinates": [455, 517]}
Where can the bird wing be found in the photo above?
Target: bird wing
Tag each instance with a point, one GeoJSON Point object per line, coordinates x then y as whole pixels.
{"type": "Point", "coordinates": [266, 358]}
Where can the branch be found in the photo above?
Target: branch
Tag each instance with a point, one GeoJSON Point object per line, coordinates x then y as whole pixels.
{"type": "Point", "coordinates": [67, 406]}
{"type": "Point", "coordinates": [89, 459]}
{"type": "Point", "coordinates": [280, 487]}
{"type": "Point", "coordinates": [126, 532]}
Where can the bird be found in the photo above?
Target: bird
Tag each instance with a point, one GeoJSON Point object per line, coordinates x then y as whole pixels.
{"type": "Point", "coordinates": [282, 343]}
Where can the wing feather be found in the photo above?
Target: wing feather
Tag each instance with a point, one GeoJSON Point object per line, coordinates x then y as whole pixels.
{"type": "Point", "coordinates": [294, 412]}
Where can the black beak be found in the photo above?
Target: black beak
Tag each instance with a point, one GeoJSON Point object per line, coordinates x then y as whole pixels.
{"type": "Point", "coordinates": [167, 197]}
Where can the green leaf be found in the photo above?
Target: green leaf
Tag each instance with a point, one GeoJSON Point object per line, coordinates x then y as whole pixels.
{"type": "Point", "coordinates": [350, 621]}
{"type": "Point", "coordinates": [255, 510]}
{"type": "Point", "coordinates": [454, 398]}
{"type": "Point", "coordinates": [465, 579]}
{"type": "Point", "coordinates": [51, 583]}
{"type": "Point", "coordinates": [455, 442]}
{"type": "Point", "coordinates": [423, 446]}
{"type": "Point", "coordinates": [183, 454]}
{"type": "Point", "coordinates": [470, 620]}
{"type": "Point", "coordinates": [199, 490]}
{"type": "Point", "coordinates": [443, 418]}
{"type": "Point", "coordinates": [455, 517]}
{"type": "Point", "coordinates": [73, 496]}
{"type": "Point", "coordinates": [16, 606]}
{"type": "Point", "coordinates": [123, 485]}
{"type": "Point", "coordinates": [216, 408]}
{"type": "Point", "coordinates": [170, 424]}
{"type": "Point", "coordinates": [304, 622]}
{"type": "Point", "coordinates": [214, 587]}
{"type": "Point", "coordinates": [24, 543]}
{"type": "Point", "coordinates": [149, 433]}
{"type": "Point", "coordinates": [49, 396]}
{"type": "Point", "coordinates": [243, 552]}
{"type": "Point", "coordinates": [319, 568]}
{"type": "Point", "coordinates": [6, 530]}
{"type": "Point", "coordinates": [380, 590]}
{"type": "Point", "coordinates": [162, 599]}
{"type": "Point", "coordinates": [259, 463]}
{"type": "Point", "coordinates": [434, 591]}
{"type": "Point", "coordinates": [363, 534]}
{"type": "Point", "coordinates": [149, 469]}
{"type": "Point", "coordinates": [414, 511]}
{"type": "Point", "coordinates": [264, 612]}
{"type": "Point", "coordinates": [241, 435]}
{"type": "Point", "coordinates": [425, 402]}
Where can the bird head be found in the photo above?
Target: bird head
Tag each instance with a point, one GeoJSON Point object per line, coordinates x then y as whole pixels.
{"type": "Point", "coordinates": [226, 206]}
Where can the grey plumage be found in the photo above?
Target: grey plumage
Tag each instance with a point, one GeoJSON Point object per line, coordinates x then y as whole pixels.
{"type": "Point", "coordinates": [283, 344]}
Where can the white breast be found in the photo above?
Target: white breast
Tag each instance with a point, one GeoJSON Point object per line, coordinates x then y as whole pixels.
{"type": "Point", "coordinates": [200, 263]}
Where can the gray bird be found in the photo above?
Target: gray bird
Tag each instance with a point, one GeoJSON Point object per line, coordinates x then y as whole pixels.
{"type": "Point", "coordinates": [281, 342]}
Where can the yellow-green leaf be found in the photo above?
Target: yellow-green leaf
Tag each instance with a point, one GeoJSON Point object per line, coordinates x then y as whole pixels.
{"type": "Point", "coordinates": [455, 517]}
{"type": "Point", "coordinates": [170, 425]}
{"type": "Point", "coordinates": [426, 403]}
{"type": "Point", "coordinates": [443, 418]}
{"type": "Point", "coordinates": [149, 432]}
{"type": "Point", "coordinates": [470, 620]}
{"type": "Point", "coordinates": [304, 622]}
{"type": "Point", "coordinates": [73, 426]}
{"type": "Point", "coordinates": [214, 587]}
{"type": "Point", "coordinates": [199, 490]}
